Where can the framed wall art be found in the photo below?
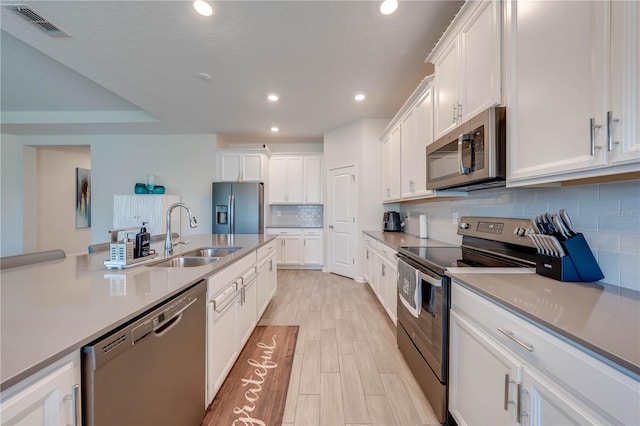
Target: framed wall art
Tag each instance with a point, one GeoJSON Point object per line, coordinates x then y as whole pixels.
{"type": "Point", "coordinates": [83, 198]}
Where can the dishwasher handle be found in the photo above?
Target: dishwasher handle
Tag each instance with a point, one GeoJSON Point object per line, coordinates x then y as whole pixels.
{"type": "Point", "coordinates": [167, 325]}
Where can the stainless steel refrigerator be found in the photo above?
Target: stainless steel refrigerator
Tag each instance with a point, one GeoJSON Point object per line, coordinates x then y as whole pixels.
{"type": "Point", "coordinates": [238, 208]}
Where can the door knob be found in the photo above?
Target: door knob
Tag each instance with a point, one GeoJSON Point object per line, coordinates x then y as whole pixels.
{"type": "Point", "coordinates": [330, 226]}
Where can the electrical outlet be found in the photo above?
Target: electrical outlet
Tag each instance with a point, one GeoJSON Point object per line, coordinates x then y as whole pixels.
{"type": "Point", "coordinates": [454, 218]}
{"type": "Point", "coordinates": [279, 213]}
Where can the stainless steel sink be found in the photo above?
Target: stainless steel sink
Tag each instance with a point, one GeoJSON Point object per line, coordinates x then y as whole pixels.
{"type": "Point", "coordinates": [186, 262]}
{"type": "Point", "coordinates": [212, 252]}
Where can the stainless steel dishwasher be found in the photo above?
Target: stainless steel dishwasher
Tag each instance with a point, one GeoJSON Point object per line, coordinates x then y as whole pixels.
{"type": "Point", "coordinates": [152, 370]}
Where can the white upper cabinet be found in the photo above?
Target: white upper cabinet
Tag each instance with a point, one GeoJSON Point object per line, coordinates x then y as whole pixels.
{"type": "Point", "coordinates": [239, 166]}
{"type": "Point", "coordinates": [313, 180]}
{"type": "Point", "coordinates": [391, 165]}
{"type": "Point", "coordinates": [416, 135]}
{"type": "Point", "coordinates": [407, 154]}
{"type": "Point", "coordinates": [295, 179]}
{"type": "Point", "coordinates": [623, 119]}
{"type": "Point", "coordinates": [447, 83]}
{"type": "Point", "coordinates": [563, 81]}
{"type": "Point", "coordinates": [468, 66]}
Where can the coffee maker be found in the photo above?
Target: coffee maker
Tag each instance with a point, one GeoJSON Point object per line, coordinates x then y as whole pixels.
{"type": "Point", "coordinates": [391, 222]}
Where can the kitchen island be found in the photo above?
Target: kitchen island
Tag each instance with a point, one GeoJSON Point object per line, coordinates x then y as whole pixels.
{"type": "Point", "coordinates": [52, 309]}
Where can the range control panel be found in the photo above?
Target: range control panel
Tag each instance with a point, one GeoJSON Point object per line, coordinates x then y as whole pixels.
{"type": "Point", "coordinates": [506, 230]}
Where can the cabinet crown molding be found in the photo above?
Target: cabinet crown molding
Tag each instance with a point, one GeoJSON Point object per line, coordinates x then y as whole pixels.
{"type": "Point", "coordinates": [409, 103]}
{"type": "Point", "coordinates": [452, 30]}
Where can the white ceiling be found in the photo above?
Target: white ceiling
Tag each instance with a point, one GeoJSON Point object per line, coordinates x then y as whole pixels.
{"type": "Point", "coordinates": [132, 66]}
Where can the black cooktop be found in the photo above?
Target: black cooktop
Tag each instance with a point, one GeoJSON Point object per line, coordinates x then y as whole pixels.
{"type": "Point", "coordinates": [440, 258]}
{"type": "Point", "coordinates": [488, 242]}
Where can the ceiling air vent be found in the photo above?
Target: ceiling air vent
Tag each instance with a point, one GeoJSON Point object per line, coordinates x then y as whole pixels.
{"type": "Point", "coordinates": [30, 15]}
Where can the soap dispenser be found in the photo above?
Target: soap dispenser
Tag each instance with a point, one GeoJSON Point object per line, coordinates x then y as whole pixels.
{"type": "Point", "coordinates": [143, 242]}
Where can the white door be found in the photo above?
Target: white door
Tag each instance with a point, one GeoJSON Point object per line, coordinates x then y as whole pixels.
{"type": "Point", "coordinates": [342, 221]}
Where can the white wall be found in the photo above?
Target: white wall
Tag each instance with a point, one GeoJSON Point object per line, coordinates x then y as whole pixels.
{"type": "Point", "coordinates": [358, 144]}
{"type": "Point", "coordinates": [56, 197]}
{"type": "Point", "coordinates": [185, 165]}
{"type": "Point", "coordinates": [607, 214]}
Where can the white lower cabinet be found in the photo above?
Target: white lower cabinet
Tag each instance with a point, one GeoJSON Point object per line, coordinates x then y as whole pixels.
{"type": "Point", "coordinates": [370, 262]}
{"type": "Point", "coordinates": [267, 276]}
{"type": "Point", "coordinates": [49, 397]}
{"type": "Point", "coordinates": [506, 370]}
{"type": "Point", "coordinates": [312, 247]}
{"type": "Point", "coordinates": [381, 272]}
{"type": "Point", "coordinates": [228, 319]}
{"type": "Point", "coordinates": [388, 283]}
{"type": "Point", "coordinates": [248, 310]}
{"type": "Point", "coordinates": [482, 377]}
{"type": "Point", "coordinates": [298, 246]}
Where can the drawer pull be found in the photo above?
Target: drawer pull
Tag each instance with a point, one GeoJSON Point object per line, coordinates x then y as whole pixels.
{"type": "Point", "coordinates": [527, 346]}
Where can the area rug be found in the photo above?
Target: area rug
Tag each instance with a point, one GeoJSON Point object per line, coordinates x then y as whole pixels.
{"type": "Point", "coordinates": [255, 391]}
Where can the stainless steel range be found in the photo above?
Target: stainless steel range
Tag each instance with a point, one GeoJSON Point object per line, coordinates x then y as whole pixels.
{"type": "Point", "coordinates": [424, 294]}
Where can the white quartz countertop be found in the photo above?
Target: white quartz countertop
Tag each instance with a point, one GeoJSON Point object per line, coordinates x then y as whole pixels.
{"type": "Point", "coordinates": [602, 318]}
{"type": "Point", "coordinates": [50, 309]}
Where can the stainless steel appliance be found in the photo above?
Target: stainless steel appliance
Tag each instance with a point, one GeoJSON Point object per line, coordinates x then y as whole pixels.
{"type": "Point", "coordinates": [238, 208]}
{"type": "Point", "coordinates": [391, 222]}
{"type": "Point", "coordinates": [150, 371]}
{"type": "Point", "coordinates": [472, 156]}
{"type": "Point", "coordinates": [424, 294]}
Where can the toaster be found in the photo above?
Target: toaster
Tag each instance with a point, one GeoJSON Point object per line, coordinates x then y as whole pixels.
{"type": "Point", "coordinates": [391, 222]}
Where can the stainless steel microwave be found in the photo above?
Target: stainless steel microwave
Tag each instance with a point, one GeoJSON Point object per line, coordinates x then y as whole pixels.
{"type": "Point", "coordinates": [472, 156]}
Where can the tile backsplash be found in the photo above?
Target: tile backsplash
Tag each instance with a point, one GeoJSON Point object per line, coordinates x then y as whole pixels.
{"type": "Point", "coordinates": [296, 215]}
{"type": "Point", "coordinates": [607, 214]}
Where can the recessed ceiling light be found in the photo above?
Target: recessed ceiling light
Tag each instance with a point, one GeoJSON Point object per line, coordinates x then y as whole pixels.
{"type": "Point", "coordinates": [359, 97]}
{"type": "Point", "coordinates": [203, 8]}
{"type": "Point", "coordinates": [273, 97]}
{"type": "Point", "coordinates": [204, 76]}
{"type": "Point", "coordinates": [274, 129]}
{"type": "Point", "coordinates": [387, 7]}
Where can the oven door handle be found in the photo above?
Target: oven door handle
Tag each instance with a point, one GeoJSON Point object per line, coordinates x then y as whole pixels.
{"type": "Point", "coordinates": [432, 281]}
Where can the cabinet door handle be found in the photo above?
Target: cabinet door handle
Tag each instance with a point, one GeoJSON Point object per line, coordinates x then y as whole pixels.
{"type": "Point", "coordinates": [460, 111]}
{"type": "Point", "coordinates": [455, 114]}
{"type": "Point", "coordinates": [75, 403]}
{"type": "Point", "coordinates": [507, 382]}
{"type": "Point", "coordinates": [509, 334]}
{"type": "Point", "coordinates": [519, 406]}
{"type": "Point", "coordinates": [592, 132]}
{"type": "Point", "coordinates": [610, 121]}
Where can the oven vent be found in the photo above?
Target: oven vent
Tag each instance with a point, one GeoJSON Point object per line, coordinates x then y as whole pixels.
{"type": "Point", "coordinates": [30, 15]}
{"type": "Point", "coordinates": [114, 343]}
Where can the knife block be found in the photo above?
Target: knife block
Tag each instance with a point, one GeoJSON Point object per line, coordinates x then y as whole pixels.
{"type": "Point", "coordinates": [577, 265]}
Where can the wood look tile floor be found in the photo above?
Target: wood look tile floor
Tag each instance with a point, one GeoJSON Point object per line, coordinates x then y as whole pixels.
{"type": "Point", "coordinates": [347, 368]}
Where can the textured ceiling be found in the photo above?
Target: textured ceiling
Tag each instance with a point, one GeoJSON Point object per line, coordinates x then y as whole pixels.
{"type": "Point", "coordinates": [132, 66]}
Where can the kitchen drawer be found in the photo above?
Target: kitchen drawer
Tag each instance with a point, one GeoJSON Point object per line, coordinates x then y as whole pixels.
{"type": "Point", "coordinates": [266, 249]}
{"type": "Point", "coordinates": [601, 386]}
{"type": "Point", "coordinates": [387, 253]}
{"type": "Point", "coordinates": [312, 232]}
{"type": "Point", "coordinates": [284, 231]}
{"type": "Point", "coordinates": [370, 241]}
{"type": "Point", "coordinates": [220, 280]}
